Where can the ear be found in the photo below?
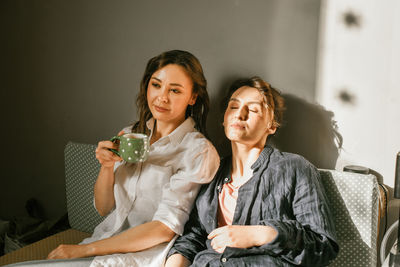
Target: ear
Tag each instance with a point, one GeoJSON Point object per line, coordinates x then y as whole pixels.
{"type": "Point", "coordinates": [271, 130]}
{"type": "Point", "coordinates": [193, 99]}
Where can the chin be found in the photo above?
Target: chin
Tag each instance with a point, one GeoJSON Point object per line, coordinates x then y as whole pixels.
{"type": "Point", "coordinates": [234, 138]}
{"type": "Point", "coordinates": [161, 117]}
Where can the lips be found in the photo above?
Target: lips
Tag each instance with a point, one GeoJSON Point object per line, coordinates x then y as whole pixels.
{"type": "Point", "coordinates": [238, 125]}
{"type": "Point", "coordinates": [160, 109]}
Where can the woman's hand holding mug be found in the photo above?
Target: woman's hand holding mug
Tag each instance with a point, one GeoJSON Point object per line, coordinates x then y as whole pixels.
{"type": "Point", "coordinates": [133, 147]}
{"type": "Point", "coordinates": [106, 157]}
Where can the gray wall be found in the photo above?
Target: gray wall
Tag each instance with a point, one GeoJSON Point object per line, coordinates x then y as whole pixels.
{"type": "Point", "coordinates": [70, 70]}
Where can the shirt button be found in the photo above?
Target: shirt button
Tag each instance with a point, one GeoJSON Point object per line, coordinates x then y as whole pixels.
{"type": "Point", "coordinates": [223, 259]}
{"type": "Point", "coordinates": [218, 187]}
{"type": "Point", "coordinates": [226, 179]}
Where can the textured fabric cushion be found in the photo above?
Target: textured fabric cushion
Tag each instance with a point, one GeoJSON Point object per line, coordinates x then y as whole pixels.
{"type": "Point", "coordinates": [354, 201]}
{"type": "Point", "coordinates": [81, 170]}
{"type": "Point", "coordinates": [39, 250]}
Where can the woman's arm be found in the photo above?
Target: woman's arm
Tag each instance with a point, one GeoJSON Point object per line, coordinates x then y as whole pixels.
{"type": "Point", "coordinates": [309, 239]}
{"type": "Point", "coordinates": [241, 236]}
{"type": "Point", "coordinates": [192, 241]}
{"type": "Point", "coordinates": [104, 191]}
{"type": "Point", "coordinates": [104, 187]}
{"type": "Point", "coordinates": [177, 260]}
{"type": "Point", "coordinates": [134, 239]}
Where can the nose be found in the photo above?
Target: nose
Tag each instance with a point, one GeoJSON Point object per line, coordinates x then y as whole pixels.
{"type": "Point", "coordinates": [163, 96]}
{"type": "Point", "coordinates": [242, 113]}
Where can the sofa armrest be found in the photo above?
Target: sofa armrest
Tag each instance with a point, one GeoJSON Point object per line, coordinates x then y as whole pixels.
{"type": "Point", "coordinates": [355, 202]}
{"type": "Point", "coordinates": [40, 249]}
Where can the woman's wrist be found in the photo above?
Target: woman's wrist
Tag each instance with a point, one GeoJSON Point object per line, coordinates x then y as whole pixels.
{"type": "Point", "coordinates": [106, 176]}
{"type": "Point", "coordinates": [90, 250]}
{"type": "Point", "coordinates": [107, 168]}
{"type": "Point", "coordinates": [264, 234]}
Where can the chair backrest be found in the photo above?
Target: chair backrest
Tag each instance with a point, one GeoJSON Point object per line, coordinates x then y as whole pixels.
{"type": "Point", "coordinates": [354, 201]}
{"type": "Point", "coordinates": [81, 170]}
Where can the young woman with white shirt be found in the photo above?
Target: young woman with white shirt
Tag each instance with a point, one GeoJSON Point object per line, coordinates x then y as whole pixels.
{"type": "Point", "coordinates": [148, 203]}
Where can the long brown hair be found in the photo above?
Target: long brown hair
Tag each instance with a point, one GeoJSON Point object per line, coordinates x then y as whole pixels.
{"type": "Point", "coordinates": [272, 97]}
{"type": "Point", "coordinates": [191, 64]}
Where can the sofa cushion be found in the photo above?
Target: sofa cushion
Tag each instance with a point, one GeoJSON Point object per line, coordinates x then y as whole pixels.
{"type": "Point", "coordinates": [81, 170]}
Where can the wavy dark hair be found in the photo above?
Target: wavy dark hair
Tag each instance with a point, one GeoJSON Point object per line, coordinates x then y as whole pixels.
{"type": "Point", "coordinates": [272, 97]}
{"type": "Point", "coordinates": [191, 64]}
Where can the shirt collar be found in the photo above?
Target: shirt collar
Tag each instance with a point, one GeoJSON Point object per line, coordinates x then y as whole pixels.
{"type": "Point", "coordinates": [263, 158]}
{"type": "Point", "coordinates": [176, 135]}
{"type": "Point", "coordinates": [226, 169]}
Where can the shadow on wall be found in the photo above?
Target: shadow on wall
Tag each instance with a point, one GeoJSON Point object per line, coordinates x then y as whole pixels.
{"type": "Point", "coordinates": [216, 117]}
{"type": "Point", "coordinates": [309, 130]}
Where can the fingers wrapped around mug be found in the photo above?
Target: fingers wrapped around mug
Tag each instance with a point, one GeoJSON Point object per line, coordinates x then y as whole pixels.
{"type": "Point", "coordinates": [133, 147]}
{"type": "Point", "coordinates": [106, 157]}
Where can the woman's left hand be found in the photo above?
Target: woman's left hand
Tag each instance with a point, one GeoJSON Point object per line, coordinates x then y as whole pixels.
{"type": "Point", "coordinates": [241, 236]}
{"type": "Point", "coordinates": [68, 252]}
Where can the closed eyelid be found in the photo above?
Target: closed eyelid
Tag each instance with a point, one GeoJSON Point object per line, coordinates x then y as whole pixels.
{"type": "Point", "coordinates": [248, 103]}
{"type": "Point", "coordinates": [254, 106]}
{"type": "Point", "coordinates": [233, 105]}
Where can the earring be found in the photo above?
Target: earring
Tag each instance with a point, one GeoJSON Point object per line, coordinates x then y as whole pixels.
{"type": "Point", "coordinates": [191, 111]}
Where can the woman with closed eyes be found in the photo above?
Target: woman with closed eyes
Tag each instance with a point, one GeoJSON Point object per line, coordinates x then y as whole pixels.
{"type": "Point", "coordinates": [264, 207]}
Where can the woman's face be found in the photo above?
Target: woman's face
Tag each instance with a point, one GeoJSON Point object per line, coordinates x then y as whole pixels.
{"type": "Point", "coordinates": [247, 119]}
{"type": "Point", "coordinates": [169, 92]}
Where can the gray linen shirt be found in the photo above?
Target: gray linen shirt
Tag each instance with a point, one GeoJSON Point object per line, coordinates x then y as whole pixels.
{"type": "Point", "coordinates": [285, 192]}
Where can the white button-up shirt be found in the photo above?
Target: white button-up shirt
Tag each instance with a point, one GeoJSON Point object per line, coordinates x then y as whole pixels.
{"type": "Point", "coordinates": [162, 188]}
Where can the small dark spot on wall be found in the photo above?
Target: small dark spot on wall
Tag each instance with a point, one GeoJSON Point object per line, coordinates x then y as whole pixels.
{"type": "Point", "coordinates": [351, 19]}
{"type": "Point", "coordinates": [346, 97]}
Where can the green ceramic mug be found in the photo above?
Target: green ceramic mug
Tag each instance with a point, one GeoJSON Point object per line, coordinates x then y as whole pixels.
{"type": "Point", "coordinates": [133, 147]}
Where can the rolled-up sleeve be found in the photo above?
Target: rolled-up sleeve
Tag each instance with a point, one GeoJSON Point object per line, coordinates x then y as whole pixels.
{"type": "Point", "coordinates": [193, 240]}
{"type": "Point", "coordinates": [198, 166]}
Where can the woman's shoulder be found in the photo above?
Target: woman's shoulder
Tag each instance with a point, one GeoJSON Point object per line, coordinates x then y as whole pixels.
{"type": "Point", "coordinates": [196, 140]}
{"type": "Point", "coordinates": [289, 159]}
{"type": "Point", "coordinates": [293, 166]}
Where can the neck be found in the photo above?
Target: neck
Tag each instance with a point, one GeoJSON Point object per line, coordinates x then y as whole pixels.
{"type": "Point", "coordinates": [243, 157]}
{"type": "Point", "coordinates": [162, 129]}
